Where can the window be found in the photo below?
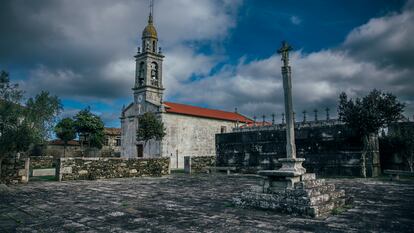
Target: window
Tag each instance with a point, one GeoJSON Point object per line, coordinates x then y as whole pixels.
{"type": "Point", "coordinates": [153, 46]}
{"type": "Point", "coordinates": [154, 74]}
{"type": "Point", "coordinates": [141, 72]}
{"type": "Point", "coordinates": [117, 142]}
{"type": "Point", "coordinates": [223, 129]}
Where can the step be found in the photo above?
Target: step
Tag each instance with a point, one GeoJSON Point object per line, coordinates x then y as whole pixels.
{"type": "Point", "coordinates": [307, 184]}
{"type": "Point", "coordinates": [324, 198]}
{"type": "Point", "coordinates": [311, 192]}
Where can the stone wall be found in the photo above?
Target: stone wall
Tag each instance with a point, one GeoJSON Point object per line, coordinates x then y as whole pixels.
{"type": "Point", "coordinates": [40, 162]}
{"type": "Point", "coordinates": [197, 164]}
{"type": "Point", "coordinates": [328, 150]}
{"type": "Point", "coordinates": [101, 168]}
{"type": "Point", "coordinates": [15, 171]}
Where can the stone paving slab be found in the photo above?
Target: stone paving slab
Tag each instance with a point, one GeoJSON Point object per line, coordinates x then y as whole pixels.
{"type": "Point", "coordinates": [192, 203]}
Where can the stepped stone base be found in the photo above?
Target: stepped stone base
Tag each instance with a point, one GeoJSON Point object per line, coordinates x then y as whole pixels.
{"type": "Point", "coordinates": [308, 197]}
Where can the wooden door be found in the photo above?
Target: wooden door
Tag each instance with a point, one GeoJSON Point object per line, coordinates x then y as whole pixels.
{"type": "Point", "coordinates": [140, 150]}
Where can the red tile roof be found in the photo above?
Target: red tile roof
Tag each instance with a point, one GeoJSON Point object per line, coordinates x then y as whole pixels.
{"type": "Point", "coordinates": [112, 131]}
{"type": "Point", "coordinates": [204, 112]}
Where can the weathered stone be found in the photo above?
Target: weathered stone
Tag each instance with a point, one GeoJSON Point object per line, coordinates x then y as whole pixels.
{"type": "Point", "coordinates": [101, 168]}
{"type": "Point", "coordinates": [306, 197]}
{"type": "Point", "coordinates": [197, 164]}
{"type": "Point", "coordinates": [40, 162]}
{"type": "Point", "coordinates": [44, 172]}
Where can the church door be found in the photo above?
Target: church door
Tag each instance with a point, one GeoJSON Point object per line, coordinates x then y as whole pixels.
{"type": "Point", "coordinates": [140, 151]}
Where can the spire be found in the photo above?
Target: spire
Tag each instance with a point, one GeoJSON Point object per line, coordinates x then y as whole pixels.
{"type": "Point", "coordinates": [149, 30]}
{"type": "Point", "coordinates": [151, 12]}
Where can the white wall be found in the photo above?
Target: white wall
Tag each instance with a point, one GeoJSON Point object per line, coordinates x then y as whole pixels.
{"type": "Point", "coordinates": [191, 136]}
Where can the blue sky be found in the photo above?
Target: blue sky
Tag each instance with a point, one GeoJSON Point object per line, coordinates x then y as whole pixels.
{"type": "Point", "coordinates": [219, 53]}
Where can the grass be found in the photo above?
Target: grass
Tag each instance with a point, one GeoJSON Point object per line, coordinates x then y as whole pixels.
{"type": "Point", "coordinates": [228, 205]}
{"type": "Point", "coordinates": [124, 204]}
{"type": "Point", "coordinates": [43, 178]}
{"type": "Point", "coordinates": [177, 170]}
{"type": "Point", "coordinates": [341, 209]}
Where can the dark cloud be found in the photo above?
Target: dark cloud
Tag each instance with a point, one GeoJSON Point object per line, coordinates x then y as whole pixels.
{"type": "Point", "coordinates": [83, 49]}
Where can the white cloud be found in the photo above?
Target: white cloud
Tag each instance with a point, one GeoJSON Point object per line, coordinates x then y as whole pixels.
{"type": "Point", "coordinates": [357, 67]}
{"type": "Point", "coordinates": [295, 20]}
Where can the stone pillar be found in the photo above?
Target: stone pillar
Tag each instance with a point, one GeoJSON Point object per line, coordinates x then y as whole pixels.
{"type": "Point", "coordinates": [292, 169]}
{"type": "Point", "coordinates": [290, 130]}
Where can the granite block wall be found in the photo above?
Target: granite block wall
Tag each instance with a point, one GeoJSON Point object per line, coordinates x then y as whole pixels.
{"type": "Point", "coordinates": [102, 168]}
{"type": "Point", "coordinates": [198, 164]}
{"type": "Point", "coordinates": [15, 171]}
{"type": "Point", "coordinates": [39, 162]}
{"type": "Point", "coordinates": [330, 150]}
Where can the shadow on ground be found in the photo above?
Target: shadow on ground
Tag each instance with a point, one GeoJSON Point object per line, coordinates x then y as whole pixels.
{"type": "Point", "coordinates": [199, 203]}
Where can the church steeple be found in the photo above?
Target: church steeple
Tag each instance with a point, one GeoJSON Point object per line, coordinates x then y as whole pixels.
{"type": "Point", "coordinates": [149, 35]}
{"type": "Point", "coordinates": [148, 71]}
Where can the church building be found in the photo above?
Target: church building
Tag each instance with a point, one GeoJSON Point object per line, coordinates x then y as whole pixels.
{"type": "Point", "coordinates": [190, 130]}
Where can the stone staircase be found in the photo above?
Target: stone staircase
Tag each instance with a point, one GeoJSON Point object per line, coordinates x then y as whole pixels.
{"type": "Point", "coordinates": [309, 197]}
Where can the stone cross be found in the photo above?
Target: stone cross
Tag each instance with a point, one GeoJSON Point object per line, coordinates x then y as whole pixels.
{"type": "Point", "coordinates": [283, 118]}
{"type": "Point", "coordinates": [273, 118]}
{"type": "Point", "coordinates": [284, 51]}
{"type": "Point", "coordinates": [264, 117]}
{"type": "Point", "coordinates": [316, 114]}
{"type": "Point", "coordinates": [287, 90]}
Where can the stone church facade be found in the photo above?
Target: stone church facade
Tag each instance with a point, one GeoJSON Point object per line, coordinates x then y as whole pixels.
{"type": "Point", "coordinates": [190, 130]}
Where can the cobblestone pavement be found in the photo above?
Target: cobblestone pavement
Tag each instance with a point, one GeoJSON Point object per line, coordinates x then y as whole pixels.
{"type": "Point", "coordinates": [183, 203]}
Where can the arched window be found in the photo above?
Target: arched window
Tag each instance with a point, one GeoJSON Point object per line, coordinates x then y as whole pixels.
{"type": "Point", "coordinates": [154, 74]}
{"type": "Point", "coordinates": [141, 73]}
{"type": "Point", "coordinates": [153, 46]}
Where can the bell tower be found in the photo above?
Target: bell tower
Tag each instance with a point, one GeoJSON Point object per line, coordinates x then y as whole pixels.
{"type": "Point", "coordinates": [148, 70]}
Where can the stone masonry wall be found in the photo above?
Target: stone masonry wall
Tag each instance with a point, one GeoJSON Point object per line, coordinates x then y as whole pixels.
{"type": "Point", "coordinates": [328, 150]}
{"type": "Point", "coordinates": [40, 162]}
{"type": "Point", "coordinates": [101, 168]}
{"type": "Point", "coordinates": [15, 171]}
{"type": "Point", "coordinates": [199, 163]}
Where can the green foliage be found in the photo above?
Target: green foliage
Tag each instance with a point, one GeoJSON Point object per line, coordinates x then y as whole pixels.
{"type": "Point", "coordinates": [42, 112]}
{"type": "Point", "coordinates": [372, 112]}
{"type": "Point", "coordinates": [9, 92]}
{"type": "Point", "coordinates": [65, 130]}
{"type": "Point", "coordinates": [24, 125]}
{"type": "Point", "coordinates": [90, 127]}
{"type": "Point", "coordinates": [401, 142]}
{"type": "Point", "coordinates": [150, 127]}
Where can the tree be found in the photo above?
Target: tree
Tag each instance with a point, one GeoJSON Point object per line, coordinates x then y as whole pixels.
{"type": "Point", "coordinates": [369, 114]}
{"type": "Point", "coordinates": [150, 127]}
{"type": "Point", "coordinates": [65, 131]}
{"type": "Point", "coordinates": [42, 112]}
{"type": "Point", "coordinates": [90, 128]}
{"type": "Point", "coordinates": [15, 133]}
{"type": "Point", "coordinates": [22, 125]}
{"type": "Point", "coordinates": [401, 142]}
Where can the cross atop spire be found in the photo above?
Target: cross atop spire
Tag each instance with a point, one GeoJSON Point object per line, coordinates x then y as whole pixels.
{"type": "Point", "coordinates": [151, 11]}
{"type": "Point", "coordinates": [284, 51]}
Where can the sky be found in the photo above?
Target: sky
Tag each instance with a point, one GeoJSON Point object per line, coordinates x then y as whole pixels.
{"type": "Point", "coordinates": [218, 53]}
